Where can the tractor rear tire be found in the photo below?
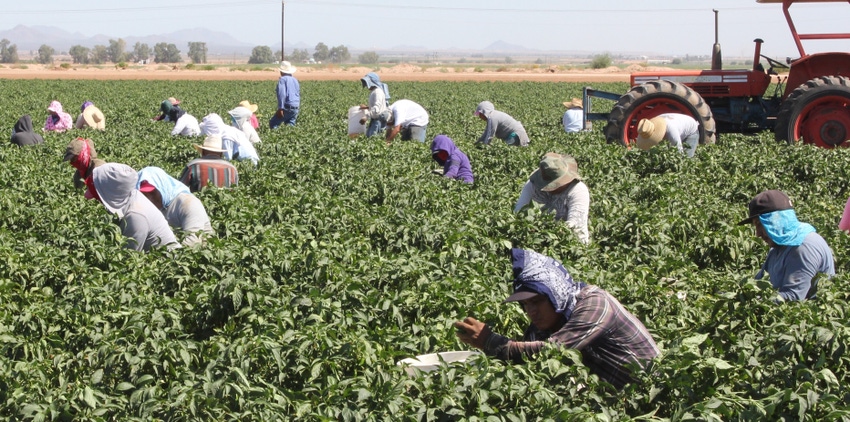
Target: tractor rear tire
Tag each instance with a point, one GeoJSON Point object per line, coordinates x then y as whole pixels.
{"type": "Point", "coordinates": [655, 98]}
{"type": "Point", "coordinates": [817, 112]}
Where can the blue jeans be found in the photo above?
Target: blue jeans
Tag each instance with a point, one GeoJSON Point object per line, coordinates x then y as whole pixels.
{"type": "Point", "coordinates": [289, 116]}
{"type": "Point", "coordinates": [375, 126]}
{"type": "Point", "coordinates": [416, 133]}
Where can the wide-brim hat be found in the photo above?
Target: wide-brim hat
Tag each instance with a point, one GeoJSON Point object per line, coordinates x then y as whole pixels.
{"type": "Point", "coordinates": [211, 143]}
{"type": "Point", "coordinates": [173, 101]}
{"type": "Point", "coordinates": [91, 116]}
{"type": "Point", "coordinates": [765, 202]}
{"type": "Point", "coordinates": [554, 171]}
{"type": "Point", "coordinates": [247, 104]}
{"type": "Point", "coordinates": [651, 132]}
{"type": "Point", "coordinates": [286, 67]}
{"type": "Point", "coordinates": [574, 103]}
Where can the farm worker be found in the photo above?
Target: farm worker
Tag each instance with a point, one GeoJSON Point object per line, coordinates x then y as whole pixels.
{"type": "Point", "coordinates": [409, 119]}
{"type": "Point", "coordinates": [557, 185]}
{"type": "Point", "coordinates": [378, 110]}
{"type": "Point", "coordinates": [574, 116]}
{"type": "Point", "coordinates": [23, 134]}
{"type": "Point", "coordinates": [234, 142]}
{"type": "Point", "coordinates": [57, 120]}
{"type": "Point", "coordinates": [179, 207]}
{"type": "Point", "coordinates": [566, 313]}
{"type": "Point", "coordinates": [500, 125]}
{"type": "Point", "coordinates": [240, 118]}
{"type": "Point", "coordinates": [288, 97]}
{"type": "Point", "coordinates": [253, 107]}
{"type": "Point", "coordinates": [165, 108]}
{"type": "Point", "coordinates": [211, 169]}
{"type": "Point", "coordinates": [141, 223]}
{"type": "Point", "coordinates": [91, 117]}
{"type": "Point", "coordinates": [678, 129]}
{"type": "Point", "coordinates": [454, 161]}
{"type": "Point", "coordinates": [185, 124]}
{"type": "Point", "coordinates": [80, 153]}
{"type": "Point", "coordinates": [798, 256]}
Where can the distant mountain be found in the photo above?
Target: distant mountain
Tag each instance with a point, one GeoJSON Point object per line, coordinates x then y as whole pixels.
{"type": "Point", "coordinates": [501, 46]}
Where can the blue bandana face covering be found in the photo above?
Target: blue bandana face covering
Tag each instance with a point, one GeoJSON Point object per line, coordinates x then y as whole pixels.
{"type": "Point", "coordinates": [784, 229]}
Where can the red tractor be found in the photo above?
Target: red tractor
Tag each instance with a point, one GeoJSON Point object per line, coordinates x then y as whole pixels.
{"type": "Point", "coordinates": [813, 107]}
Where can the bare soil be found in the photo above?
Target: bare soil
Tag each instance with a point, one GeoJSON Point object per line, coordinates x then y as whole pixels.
{"type": "Point", "coordinates": [401, 72]}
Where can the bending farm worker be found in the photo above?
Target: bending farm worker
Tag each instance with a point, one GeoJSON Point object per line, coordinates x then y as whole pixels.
{"type": "Point", "coordinates": [90, 117]}
{"type": "Point", "coordinates": [57, 120]}
{"type": "Point", "coordinates": [211, 169]}
{"type": "Point", "coordinates": [798, 255]}
{"type": "Point", "coordinates": [80, 153]}
{"type": "Point", "coordinates": [288, 97]}
{"type": "Point", "coordinates": [185, 124]}
{"type": "Point", "coordinates": [377, 111]}
{"type": "Point", "coordinates": [165, 109]}
{"type": "Point", "coordinates": [235, 143]}
{"type": "Point", "coordinates": [23, 133]}
{"type": "Point", "coordinates": [179, 207]}
{"type": "Point", "coordinates": [566, 313]}
{"type": "Point", "coordinates": [556, 185]}
{"type": "Point", "coordinates": [574, 116]}
{"type": "Point", "coordinates": [409, 119]}
{"type": "Point", "coordinates": [500, 125]}
{"type": "Point", "coordinates": [680, 130]}
{"type": "Point", "coordinates": [141, 223]}
{"type": "Point", "coordinates": [240, 118]}
{"type": "Point", "coordinates": [255, 123]}
{"type": "Point", "coordinates": [455, 163]}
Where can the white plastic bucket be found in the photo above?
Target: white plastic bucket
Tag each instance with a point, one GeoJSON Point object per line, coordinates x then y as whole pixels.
{"type": "Point", "coordinates": [355, 128]}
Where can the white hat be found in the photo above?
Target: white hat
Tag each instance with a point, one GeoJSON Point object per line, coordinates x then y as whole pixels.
{"type": "Point", "coordinates": [286, 67]}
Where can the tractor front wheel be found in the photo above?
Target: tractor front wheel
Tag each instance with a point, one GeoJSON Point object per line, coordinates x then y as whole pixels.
{"type": "Point", "coordinates": [817, 112]}
{"type": "Point", "coordinates": [655, 98]}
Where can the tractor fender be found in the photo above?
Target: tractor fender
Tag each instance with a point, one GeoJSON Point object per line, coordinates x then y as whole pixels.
{"type": "Point", "coordinates": [816, 66]}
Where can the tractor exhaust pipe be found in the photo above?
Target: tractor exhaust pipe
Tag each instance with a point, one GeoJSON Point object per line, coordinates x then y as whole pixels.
{"type": "Point", "coordinates": [716, 59]}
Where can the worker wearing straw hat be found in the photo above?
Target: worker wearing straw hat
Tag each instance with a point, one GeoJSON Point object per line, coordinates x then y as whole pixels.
{"type": "Point", "coordinates": [557, 185]}
{"type": "Point", "coordinates": [211, 169]}
{"type": "Point", "coordinates": [680, 130]}
{"type": "Point", "coordinates": [574, 116]}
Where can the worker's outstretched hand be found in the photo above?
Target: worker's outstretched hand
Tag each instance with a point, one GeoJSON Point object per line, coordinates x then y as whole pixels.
{"type": "Point", "coordinates": [472, 332]}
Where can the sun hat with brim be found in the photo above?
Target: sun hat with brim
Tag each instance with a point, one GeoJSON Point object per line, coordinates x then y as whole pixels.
{"type": "Point", "coordinates": [286, 67]}
{"type": "Point", "coordinates": [765, 202]}
{"type": "Point", "coordinates": [55, 107]}
{"type": "Point", "coordinates": [247, 104]}
{"type": "Point", "coordinates": [574, 103]}
{"type": "Point", "coordinates": [173, 101]}
{"type": "Point", "coordinates": [92, 117]}
{"type": "Point", "coordinates": [522, 293]}
{"type": "Point", "coordinates": [115, 184]}
{"type": "Point", "coordinates": [554, 171]}
{"type": "Point", "coordinates": [211, 143]}
{"type": "Point", "coordinates": [75, 147]}
{"type": "Point", "coordinates": [651, 132]}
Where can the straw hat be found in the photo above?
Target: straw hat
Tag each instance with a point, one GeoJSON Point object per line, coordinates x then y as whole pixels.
{"type": "Point", "coordinates": [211, 143]}
{"type": "Point", "coordinates": [94, 117]}
{"type": "Point", "coordinates": [173, 101]}
{"type": "Point", "coordinates": [651, 132]}
{"type": "Point", "coordinates": [286, 67]}
{"type": "Point", "coordinates": [554, 171]}
{"type": "Point", "coordinates": [247, 104]}
{"type": "Point", "coordinates": [574, 103]}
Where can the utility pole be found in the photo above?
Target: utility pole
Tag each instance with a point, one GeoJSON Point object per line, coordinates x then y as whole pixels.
{"type": "Point", "coordinates": [282, 15]}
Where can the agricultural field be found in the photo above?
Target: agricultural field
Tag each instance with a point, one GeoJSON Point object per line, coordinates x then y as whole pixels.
{"type": "Point", "coordinates": [336, 258]}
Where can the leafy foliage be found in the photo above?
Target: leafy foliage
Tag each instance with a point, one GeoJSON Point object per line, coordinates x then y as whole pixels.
{"type": "Point", "coordinates": [261, 54]}
{"type": "Point", "coordinates": [45, 54]}
{"type": "Point", "coordinates": [338, 257]}
{"type": "Point", "coordinates": [198, 52]}
{"type": "Point", "coordinates": [166, 53]}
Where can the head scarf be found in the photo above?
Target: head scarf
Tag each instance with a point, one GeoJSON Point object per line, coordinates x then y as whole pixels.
{"type": "Point", "coordinates": [239, 116]}
{"type": "Point", "coordinates": [168, 187]}
{"type": "Point", "coordinates": [784, 229]}
{"type": "Point", "coordinates": [116, 186]}
{"type": "Point", "coordinates": [85, 104]}
{"type": "Point", "coordinates": [544, 275]}
{"type": "Point", "coordinates": [83, 160]}
{"type": "Point", "coordinates": [485, 108]}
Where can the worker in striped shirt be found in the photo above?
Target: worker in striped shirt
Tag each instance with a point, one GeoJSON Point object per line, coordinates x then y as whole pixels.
{"type": "Point", "coordinates": [566, 313]}
{"type": "Point", "coordinates": [211, 169]}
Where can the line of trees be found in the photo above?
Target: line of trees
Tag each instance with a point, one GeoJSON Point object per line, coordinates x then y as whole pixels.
{"type": "Point", "coordinates": [321, 53]}
{"type": "Point", "coordinates": [8, 51]}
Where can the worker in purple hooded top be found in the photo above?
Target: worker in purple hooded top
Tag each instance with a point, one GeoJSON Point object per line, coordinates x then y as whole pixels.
{"type": "Point", "coordinates": [566, 313]}
{"type": "Point", "coordinates": [454, 161]}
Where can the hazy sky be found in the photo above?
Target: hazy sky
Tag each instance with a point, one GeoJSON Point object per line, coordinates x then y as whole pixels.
{"type": "Point", "coordinates": [663, 26]}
